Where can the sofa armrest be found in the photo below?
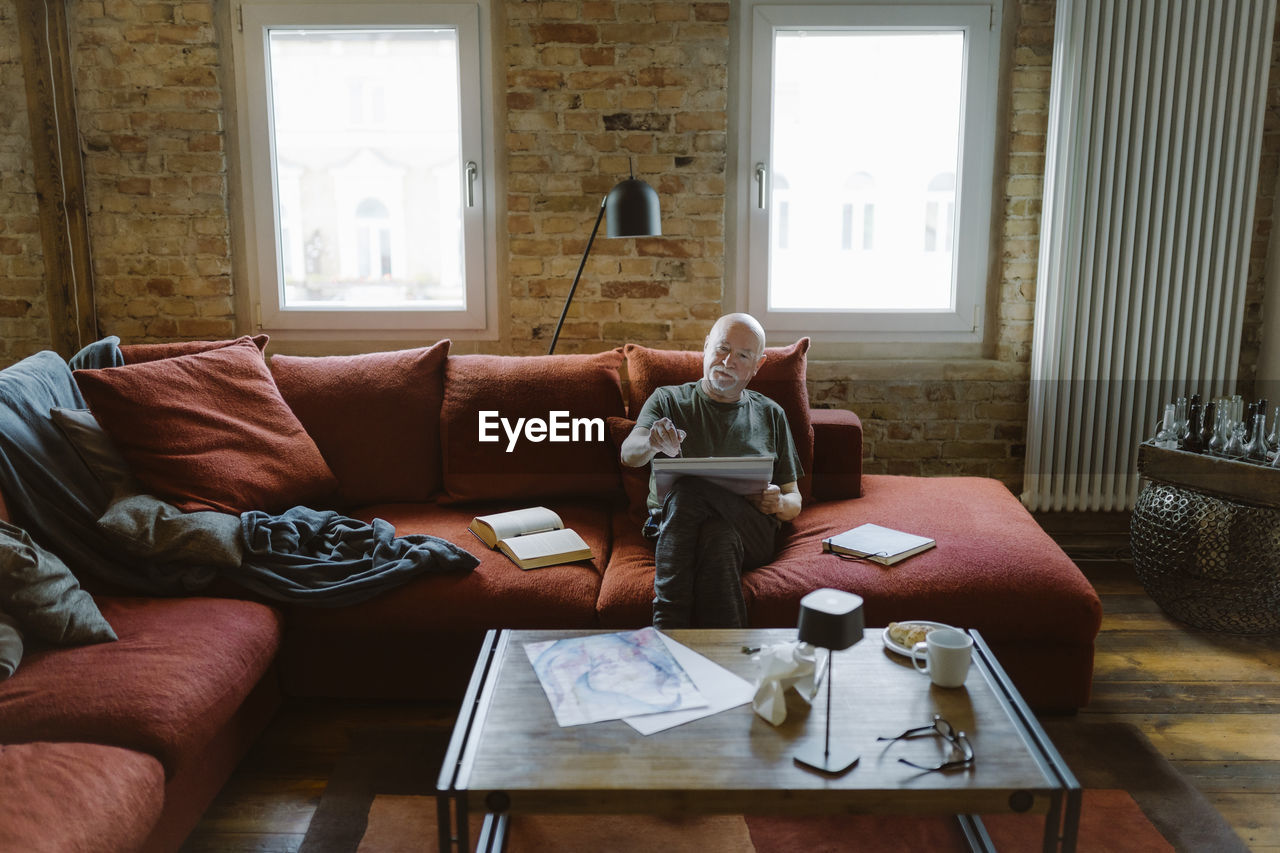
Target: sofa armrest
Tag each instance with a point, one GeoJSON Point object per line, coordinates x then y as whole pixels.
{"type": "Point", "coordinates": [837, 454]}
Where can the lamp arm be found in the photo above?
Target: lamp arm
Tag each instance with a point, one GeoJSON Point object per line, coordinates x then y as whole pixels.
{"type": "Point", "coordinates": [564, 311]}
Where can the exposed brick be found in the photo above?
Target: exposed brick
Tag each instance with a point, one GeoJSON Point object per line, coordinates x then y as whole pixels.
{"type": "Point", "coordinates": [637, 121]}
{"type": "Point", "coordinates": [566, 33]}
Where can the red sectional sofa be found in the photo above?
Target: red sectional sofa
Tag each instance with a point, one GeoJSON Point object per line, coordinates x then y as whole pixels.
{"type": "Point", "coordinates": [142, 732]}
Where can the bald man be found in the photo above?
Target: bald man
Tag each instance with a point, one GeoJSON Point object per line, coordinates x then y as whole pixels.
{"type": "Point", "coordinates": [707, 536]}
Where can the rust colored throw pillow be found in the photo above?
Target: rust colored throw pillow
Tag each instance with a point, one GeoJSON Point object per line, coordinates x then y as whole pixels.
{"type": "Point", "coordinates": [635, 481]}
{"type": "Point", "coordinates": [375, 418]}
{"type": "Point", "coordinates": [531, 387]}
{"type": "Point", "coordinates": [781, 378]}
{"type": "Point", "coordinates": [209, 431]}
{"type": "Point", "coordinates": [139, 353]}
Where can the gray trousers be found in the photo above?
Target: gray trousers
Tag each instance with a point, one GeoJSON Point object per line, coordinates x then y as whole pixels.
{"type": "Point", "coordinates": [707, 538]}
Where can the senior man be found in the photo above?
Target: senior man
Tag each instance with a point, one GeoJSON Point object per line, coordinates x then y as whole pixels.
{"type": "Point", "coordinates": [707, 536]}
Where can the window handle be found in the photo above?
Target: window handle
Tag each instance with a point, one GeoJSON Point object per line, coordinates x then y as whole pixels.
{"type": "Point", "coordinates": [472, 171]}
{"type": "Point", "coordinates": [761, 173]}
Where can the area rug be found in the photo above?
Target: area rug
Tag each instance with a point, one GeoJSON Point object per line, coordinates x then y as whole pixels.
{"type": "Point", "coordinates": [380, 800]}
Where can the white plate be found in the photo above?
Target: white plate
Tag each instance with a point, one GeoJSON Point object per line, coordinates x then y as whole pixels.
{"type": "Point", "coordinates": [903, 650]}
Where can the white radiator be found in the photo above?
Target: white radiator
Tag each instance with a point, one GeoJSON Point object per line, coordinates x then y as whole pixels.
{"type": "Point", "coordinates": [1155, 127]}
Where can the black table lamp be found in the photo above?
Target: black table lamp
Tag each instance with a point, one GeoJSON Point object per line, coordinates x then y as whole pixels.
{"type": "Point", "coordinates": [633, 211]}
{"type": "Point", "coordinates": [829, 619]}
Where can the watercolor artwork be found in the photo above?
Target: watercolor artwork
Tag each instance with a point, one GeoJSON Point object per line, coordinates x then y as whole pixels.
{"type": "Point", "coordinates": [610, 676]}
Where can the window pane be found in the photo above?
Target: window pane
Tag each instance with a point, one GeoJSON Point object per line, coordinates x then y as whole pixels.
{"type": "Point", "coordinates": [864, 123]}
{"type": "Point", "coordinates": [367, 159]}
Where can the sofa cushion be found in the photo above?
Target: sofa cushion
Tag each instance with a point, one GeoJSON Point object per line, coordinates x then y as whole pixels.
{"type": "Point", "coordinates": [375, 418]}
{"type": "Point", "coordinates": [77, 796]}
{"type": "Point", "coordinates": [529, 387]}
{"type": "Point", "coordinates": [95, 448]}
{"type": "Point", "coordinates": [42, 594]}
{"type": "Point", "coordinates": [635, 481]}
{"type": "Point", "coordinates": [781, 378]}
{"type": "Point", "coordinates": [10, 645]}
{"type": "Point", "coordinates": [209, 431]}
{"type": "Point", "coordinates": [139, 353]}
{"type": "Point", "coordinates": [181, 668]}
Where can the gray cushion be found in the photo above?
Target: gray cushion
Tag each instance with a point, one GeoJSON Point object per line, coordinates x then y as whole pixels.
{"type": "Point", "coordinates": [10, 645]}
{"type": "Point", "coordinates": [94, 447]}
{"type": "Point", "coordinates": [38, 590]}
{"type": "Point", "coordinates": [146, 526]}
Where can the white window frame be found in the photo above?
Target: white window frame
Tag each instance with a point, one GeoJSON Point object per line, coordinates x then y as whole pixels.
{"type": "Point", "coordinates": [258, 182]}
{"type": "Point", "coordinates": [980, 22]}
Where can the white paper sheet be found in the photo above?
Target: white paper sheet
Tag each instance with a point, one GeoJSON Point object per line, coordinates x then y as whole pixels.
{"type": "Point", "coordinates": [607, 676]}
{"type": "Point", "coordinates": [720, 688]}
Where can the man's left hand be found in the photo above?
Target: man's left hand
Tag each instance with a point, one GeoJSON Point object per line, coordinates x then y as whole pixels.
{"type": "Point", "coordinates": [767, 501]}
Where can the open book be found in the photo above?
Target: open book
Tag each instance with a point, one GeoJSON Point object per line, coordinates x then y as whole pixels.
{"type": "Point", "coordinates": [882, 545]}
{"type": "Point", "coordinates": [743, 475]}
{"type": "Point", "coordinates": [532, 538]}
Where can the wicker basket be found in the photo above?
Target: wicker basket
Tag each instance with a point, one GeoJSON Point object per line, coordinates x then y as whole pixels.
{"type": "Point", "coordinates": [1207, 559]}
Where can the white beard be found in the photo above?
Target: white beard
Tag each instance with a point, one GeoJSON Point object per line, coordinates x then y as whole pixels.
{"type": "Point", "coordinates": [721, 381]}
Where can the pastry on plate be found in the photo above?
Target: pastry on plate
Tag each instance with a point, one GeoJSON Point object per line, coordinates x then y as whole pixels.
{"type": "Point", "coordinates": [907, 634]}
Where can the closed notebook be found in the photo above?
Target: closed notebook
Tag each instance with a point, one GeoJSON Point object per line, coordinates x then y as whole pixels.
{"type": "Point", "coordinates": [882, 545]}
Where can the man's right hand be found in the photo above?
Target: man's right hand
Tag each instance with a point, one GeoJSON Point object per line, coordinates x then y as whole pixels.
{"type": "Point", "coordinates": [664, 437]}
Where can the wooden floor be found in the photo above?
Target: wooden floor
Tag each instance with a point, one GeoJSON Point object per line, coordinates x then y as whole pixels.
{"type": "Point", "coordinates": [1209, 702]}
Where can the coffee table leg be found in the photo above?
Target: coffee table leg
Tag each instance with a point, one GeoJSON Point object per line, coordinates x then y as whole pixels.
{"type": "Point", "coordinates": [493, 833]}
{"type": "Point", "coordinates": [447, 789]}
{"type": "Point", "coordinates": [975, 833]}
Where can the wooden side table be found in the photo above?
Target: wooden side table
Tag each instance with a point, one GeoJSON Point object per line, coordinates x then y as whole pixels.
{"type": "Point", "coordinates": [1205, 536]}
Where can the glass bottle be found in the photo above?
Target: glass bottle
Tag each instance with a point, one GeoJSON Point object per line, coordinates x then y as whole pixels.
{"type": "Point", "coordinates": [1219, 440]}
{"type": "Point", "coordinates": [1166, 434]}
{"type": "Point", "coordinates": [1207, 425]}
{"type": "Point", "coordinates": [1234, 448]}
{"type": "Point", "coordinates": [1255, 449]}
{"type": "Point", "coordinates": [1273, 440]}
{"type": "Point", "coordinates": [1249, 422]}
{"type": "Point", "coordinates": [1191, 441]}
{"type": "Point", "coordinates": [1180, 416]}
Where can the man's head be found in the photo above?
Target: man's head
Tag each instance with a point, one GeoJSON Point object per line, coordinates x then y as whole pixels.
{"type": "Point", "coordinates": [732, 354]}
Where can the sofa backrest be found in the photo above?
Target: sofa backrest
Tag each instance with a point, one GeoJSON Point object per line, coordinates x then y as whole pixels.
{"type": "Point", "coordinates": [375, 418]}
{"type": "Point", "coordinates": [491, 400]}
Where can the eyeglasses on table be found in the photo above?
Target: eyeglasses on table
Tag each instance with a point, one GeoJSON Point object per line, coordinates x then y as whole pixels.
{"type": "Point", "coordinates": [958, 740]}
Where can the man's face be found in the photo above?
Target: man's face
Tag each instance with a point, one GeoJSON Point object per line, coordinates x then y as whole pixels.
{"type": "Point", "coordinates": [730, 358]}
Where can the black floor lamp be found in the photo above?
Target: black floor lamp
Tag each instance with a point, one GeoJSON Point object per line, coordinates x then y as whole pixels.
{"type": "Point", "coordinates": [633, 211]}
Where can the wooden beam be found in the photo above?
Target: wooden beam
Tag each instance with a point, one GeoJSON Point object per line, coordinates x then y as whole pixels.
{"type": "Point", "coordinates": [59, 173]}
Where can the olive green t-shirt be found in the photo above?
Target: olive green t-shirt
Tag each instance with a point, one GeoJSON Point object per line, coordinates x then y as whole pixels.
{"type": "Point", "coordinates": [753, 426]}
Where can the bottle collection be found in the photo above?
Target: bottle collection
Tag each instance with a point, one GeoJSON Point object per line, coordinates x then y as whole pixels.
{"type": "Point", "coordinates": [1224, 427]}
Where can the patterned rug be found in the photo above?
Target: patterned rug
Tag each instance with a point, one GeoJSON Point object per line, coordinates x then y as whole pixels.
{"type": "Point", "coordinates": [379, 800]}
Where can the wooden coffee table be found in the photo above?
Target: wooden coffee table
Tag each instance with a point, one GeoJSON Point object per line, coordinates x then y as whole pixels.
{"type": "Point", "coordinates": [508, 756]}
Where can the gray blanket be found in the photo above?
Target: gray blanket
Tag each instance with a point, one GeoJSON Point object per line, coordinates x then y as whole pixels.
{"type": "Point", "coordinates": [302, 556]}
{"type": "Point", "coordinates": [326, 559]}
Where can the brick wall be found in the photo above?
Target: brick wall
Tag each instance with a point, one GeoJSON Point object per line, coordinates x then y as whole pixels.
{"type": "Point", "coordinates": [588, 88]}
{"type": "Point", "coordinates": [150, 108]}
{"type": "Point", "coordinates": [592, 89]}
{"type": "Point", "coordinates": [24, 313]}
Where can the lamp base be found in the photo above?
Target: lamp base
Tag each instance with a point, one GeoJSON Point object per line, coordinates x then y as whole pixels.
{"type": "Point", "coordinates": [836, 761]}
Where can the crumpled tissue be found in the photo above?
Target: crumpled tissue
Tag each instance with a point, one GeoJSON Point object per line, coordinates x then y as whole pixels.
{"type": "Point", "coordinates": [782, 666]}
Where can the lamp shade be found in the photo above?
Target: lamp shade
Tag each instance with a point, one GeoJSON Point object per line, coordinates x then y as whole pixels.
{"type": "Point", "coordinates": [830, 619]}
{"type": "Point", "coordinates": [632, 208]}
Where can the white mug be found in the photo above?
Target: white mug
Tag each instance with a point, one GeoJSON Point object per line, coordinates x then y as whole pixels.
{"type": "Point", "coordinates": [944, 655]}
